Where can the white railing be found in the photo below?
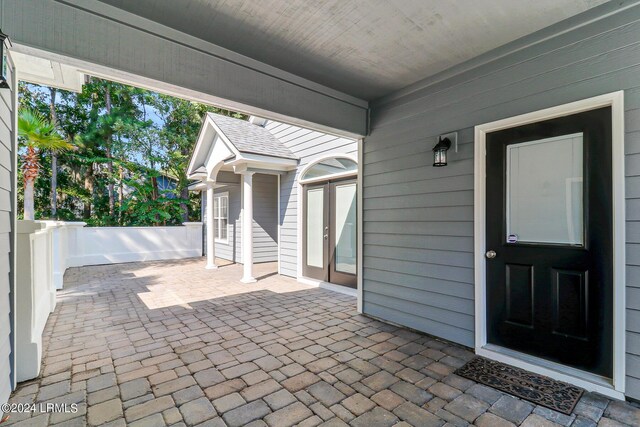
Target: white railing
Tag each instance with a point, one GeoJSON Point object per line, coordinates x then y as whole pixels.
{"type": "Point", "coordinates": [46, 249]}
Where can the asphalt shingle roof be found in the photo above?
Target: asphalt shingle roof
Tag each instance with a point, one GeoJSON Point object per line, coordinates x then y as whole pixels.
{"type": "Point", "coordinates": [250, 138]}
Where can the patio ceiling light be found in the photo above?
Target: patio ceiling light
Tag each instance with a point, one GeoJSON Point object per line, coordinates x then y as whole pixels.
{"type": "Point", "coordinates": [440, 152]}
{"type": "Point", "coordinates": [4, 43]}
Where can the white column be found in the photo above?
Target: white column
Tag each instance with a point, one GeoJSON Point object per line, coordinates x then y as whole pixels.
{"type": "Point", "coordinates": [247, 227]}
{"type": "Point", "coordinates": [211, 246]}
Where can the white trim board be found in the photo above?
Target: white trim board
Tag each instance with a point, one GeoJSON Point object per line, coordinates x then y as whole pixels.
{"type": "Point", "coordinates": [329, 177]}
{"type": "Point", "coordinates": [360, 223]}
{"type": "Point", "coordinates": [616, 387]}
{"type": "Point", "coordinates": [279, 228]}
{"type": "Point", "coordinates": [330, 286]}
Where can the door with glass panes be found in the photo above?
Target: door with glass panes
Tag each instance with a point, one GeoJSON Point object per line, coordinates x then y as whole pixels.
{"type": "Point", "coordinates": [550, 240]}
{"type": "Point", "coordinates": [329, 232]}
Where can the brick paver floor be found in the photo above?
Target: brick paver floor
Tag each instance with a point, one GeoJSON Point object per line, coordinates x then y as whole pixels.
{"type": "Point", "coordinates": [170, 343]}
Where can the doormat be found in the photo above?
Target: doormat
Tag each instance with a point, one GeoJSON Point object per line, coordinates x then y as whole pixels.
{"type": "Point", "coordinates": [541, 390]}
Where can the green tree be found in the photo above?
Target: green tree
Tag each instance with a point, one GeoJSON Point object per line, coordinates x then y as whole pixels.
{"type": "Point", "coordinates": [37, 133]}
{"type": "Point", "coordinates": [125, 141]}
{"type": "Point", "coordinates": [182, 120]}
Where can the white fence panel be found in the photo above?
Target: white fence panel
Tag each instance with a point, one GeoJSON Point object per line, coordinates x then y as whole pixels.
{"type": "Point", "coordinates": [35, 295]}
{"type": "Point", "coordinates": [47, 248]}
{"type": "Point", "coordinates": [113, 245]}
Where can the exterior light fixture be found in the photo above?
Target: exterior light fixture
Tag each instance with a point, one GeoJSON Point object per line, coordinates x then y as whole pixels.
{"type": "Point", "coordinates": [4, 43]}
{"type": "Point", "coordinates": [440, 152]}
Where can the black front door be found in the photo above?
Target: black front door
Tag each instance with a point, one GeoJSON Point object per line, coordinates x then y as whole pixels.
{"type": "Point", "coordinates": [329, 232]}
{"type": "Point", "coordinates": [550, 240]}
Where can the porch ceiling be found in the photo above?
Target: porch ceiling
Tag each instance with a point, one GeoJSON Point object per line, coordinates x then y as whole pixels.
{"type": "Point", "coordinates": [367, 49]}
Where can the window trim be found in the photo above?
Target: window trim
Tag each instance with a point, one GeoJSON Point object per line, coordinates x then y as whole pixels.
{"type": "Point", "coordinates": [329, 177]}
{"type": "Point", "coordinates": [217, 196]}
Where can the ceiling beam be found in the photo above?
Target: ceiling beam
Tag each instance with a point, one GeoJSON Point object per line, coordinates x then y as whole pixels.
{"type": "Point", "coordinates": [108, 42]}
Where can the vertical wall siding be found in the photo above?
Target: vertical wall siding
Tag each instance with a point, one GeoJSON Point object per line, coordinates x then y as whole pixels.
{"type": "Point", "coordinates": [6, 236]}
{"type": "Point", "coordinates": [265, 217]}
{"type": "Point", "coordinates": [308, 145]}
{"type": "Point", "coordinates": [418, 220]}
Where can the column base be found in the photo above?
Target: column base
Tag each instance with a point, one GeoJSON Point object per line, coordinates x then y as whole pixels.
{"type": "Point", "coordinates": [248, 280]}
{"type": "Point", "coordinates": [211, 267]}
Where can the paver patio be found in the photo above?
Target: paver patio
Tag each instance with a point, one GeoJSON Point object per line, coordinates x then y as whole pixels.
{"type": "Point", "coordinates": [170, 343]}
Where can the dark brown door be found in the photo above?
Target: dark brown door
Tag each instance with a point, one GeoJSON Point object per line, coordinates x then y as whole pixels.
{"type": "Point", "coordinates": [315, 231]}
{"type": "Point", "coordinates": [329, 232]}
{"type": "Point", "coordinates": [550, 240]}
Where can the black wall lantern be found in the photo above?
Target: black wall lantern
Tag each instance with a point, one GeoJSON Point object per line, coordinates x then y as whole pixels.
{"type": "Point", "coordinates": [444, 144]}
{"type": "Point", "coordinates": [440, 152]}
{"type": "Point", "coordinates": [4, 44]}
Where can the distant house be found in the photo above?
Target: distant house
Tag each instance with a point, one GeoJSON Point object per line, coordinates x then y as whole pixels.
{"type": "Point", "coordinates": [166, 186]}
{"type": "Point", "coordinates": [302, 187]}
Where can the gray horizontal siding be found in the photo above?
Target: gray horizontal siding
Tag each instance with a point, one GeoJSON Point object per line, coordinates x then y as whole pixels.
{"type": "Point", "coordinates": [265, 220]}
{"type": "Point", "coordinates": [418, 220]}
{"type": "Point", "coordinates": [308, 145]}
{"type": "Point", "coordinates": [7, 111]}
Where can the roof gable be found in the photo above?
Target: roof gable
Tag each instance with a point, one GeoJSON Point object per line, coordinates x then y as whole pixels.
{"type": "Point", "coordinates": [232, 143]}
{"type": "Point", "coordinates": [249, 138]}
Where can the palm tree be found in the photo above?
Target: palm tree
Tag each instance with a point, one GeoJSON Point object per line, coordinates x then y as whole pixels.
{"type": "Point", "coordinates": [37, 133]}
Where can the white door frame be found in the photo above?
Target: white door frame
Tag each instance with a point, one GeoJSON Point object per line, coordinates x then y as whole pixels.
{"type": "Point", "coordinates": [614, 387]}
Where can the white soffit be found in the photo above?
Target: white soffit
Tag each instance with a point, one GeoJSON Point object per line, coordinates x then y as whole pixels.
{"type": "Point", "coordinates": [42, 71]}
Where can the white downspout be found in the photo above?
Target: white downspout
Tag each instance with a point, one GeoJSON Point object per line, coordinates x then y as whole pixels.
{"type": "Point", "coordinates": [211, 246]}
{"type": "Point", "coordinates": [247, 227]}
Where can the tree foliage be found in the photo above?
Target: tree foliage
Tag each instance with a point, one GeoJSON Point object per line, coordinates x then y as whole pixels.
{"type": "Point", "coordinates": [132, 148]}
{"type": "Point", "coordinates": [36, 133]}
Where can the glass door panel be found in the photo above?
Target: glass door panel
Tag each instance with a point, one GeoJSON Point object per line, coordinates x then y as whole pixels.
{"type": "Point", "coordinates": [343, 243]}
{"type": "Point", "coordinates": [345, 228]}
{"type": "Point", "coordinates": [315, 241]}
{"type": "Point", "coordinates": [315, 227]}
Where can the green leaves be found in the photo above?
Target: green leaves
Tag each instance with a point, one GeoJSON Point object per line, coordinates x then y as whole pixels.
{"type": "Point", "coordinates": [38, 132]}
{"type": "Point", "coordinates": [112, 136]}
{"type": "Point", "coordinates": [147, 204]}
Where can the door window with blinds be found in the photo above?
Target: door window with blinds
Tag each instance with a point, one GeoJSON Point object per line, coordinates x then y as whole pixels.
{"type": "Point", "coordinates": [545, 200]}
{"type": "Point", "coordinates": [221, 217]}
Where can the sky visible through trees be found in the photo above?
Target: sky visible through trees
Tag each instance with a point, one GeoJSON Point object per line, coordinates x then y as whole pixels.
{"type": "Point", "coordinates": [131, 148]}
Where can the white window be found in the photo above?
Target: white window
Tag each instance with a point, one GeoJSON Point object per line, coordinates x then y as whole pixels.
{"type": "Point", "coordinates": [221, 217]}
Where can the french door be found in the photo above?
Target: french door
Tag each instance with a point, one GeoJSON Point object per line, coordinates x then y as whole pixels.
{"type": "Point", "coordinates": [329, 232]}
{"type": "Point", "coordinates": [550, 240]}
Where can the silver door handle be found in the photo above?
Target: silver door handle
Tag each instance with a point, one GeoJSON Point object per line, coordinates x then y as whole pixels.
{"type": "Point", "coordinates": [491, 254]}
{"type": "Point", "coordinates": [326, 236]}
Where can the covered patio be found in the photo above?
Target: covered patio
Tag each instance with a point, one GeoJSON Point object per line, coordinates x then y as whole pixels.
{"type": "Point", "coordinates": [165, 343]}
